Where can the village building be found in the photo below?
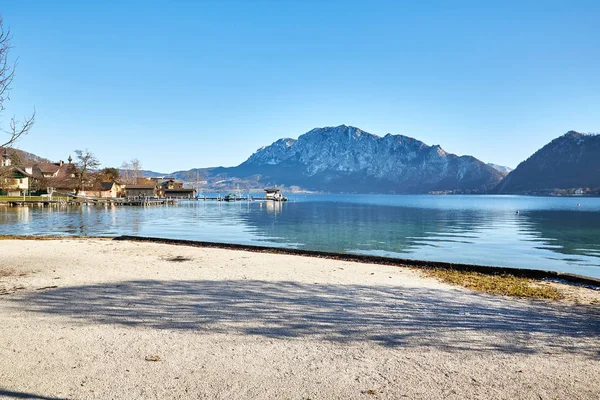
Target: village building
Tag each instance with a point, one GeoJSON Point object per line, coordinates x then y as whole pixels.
{"type": "Point", "coordinates": [14, 181]}
{"type": "Point", "coordinates": [169, 187]}
{"type": "Point", "coordinates": [167, 183]}
{"type": "Point", "coordinates": [40, 177]}
{"type": "Point", "coordinates": [273, 194]}
{"type": "Point", "coordinates": [179, 193]}
{"type": "Point", "coordinates": [47, 170]}
{"type": "Point", "coordinates": [103, 190]}
{"type": "Point", "coordinates": [146, 190]}
{"type": "Point", "coordinates": [172, 184]}
{"type": "Point", "coordinates": [52, 170]}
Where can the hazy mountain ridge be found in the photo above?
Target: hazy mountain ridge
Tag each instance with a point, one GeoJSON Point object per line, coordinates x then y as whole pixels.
{"type": "Point", "coordinates": [568, 162]}
{"type": "Point", "coordinates": [501, 168]}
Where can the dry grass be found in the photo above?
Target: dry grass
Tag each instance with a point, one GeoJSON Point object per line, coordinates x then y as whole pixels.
{"type": "Point", "coordinates": [27, 237]}
{"type": "Point", "coordinates": [53, 237]}
{"type": "Point", "coordinates": [507, 285]}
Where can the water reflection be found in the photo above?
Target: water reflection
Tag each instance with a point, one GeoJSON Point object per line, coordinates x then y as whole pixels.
{"type": "Point", "coordinates": [272, 207]}
{"type": "Point", "coordinates": [569, 233]}
{"type": "Point", "coordinates": [548, 233]}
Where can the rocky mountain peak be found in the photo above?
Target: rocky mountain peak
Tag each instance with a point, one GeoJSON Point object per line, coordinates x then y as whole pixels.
{"type": "Point", "coordinates": [501, 168]}
{"type": "Point", "coordinates": [438, 150]}
{"type": "Point", "coordinates": [346, 158]}
{"type": "Point", "coordinates": [573, 134]}
{"type": "Point", "coordinates": [338, 131]}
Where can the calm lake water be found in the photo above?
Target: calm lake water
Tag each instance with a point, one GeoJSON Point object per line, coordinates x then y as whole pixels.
{"type": "Point", "coordinates": [549, 233]}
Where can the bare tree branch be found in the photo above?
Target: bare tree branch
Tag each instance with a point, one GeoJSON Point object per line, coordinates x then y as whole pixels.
{"type": "Point", "coordinates": [16, 128]}
{"type": "Point", "coordinates": [86, 163]}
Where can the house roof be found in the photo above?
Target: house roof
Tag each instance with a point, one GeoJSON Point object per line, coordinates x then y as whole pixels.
{"type": "Point", "coordinates": [48, 168]}
{"type": "Point", "coordinates": [178, 190]}
{"type": "Point", "coordinates": [140, 187]}
{"type": "Point", "coordinates": [66, 170]}
{"type": "Point", "coordinates": [15, 172]}
{"type": "Point", "coordinates": [106, 185]}
{"type": "Point", "coordinates": [21, 170]}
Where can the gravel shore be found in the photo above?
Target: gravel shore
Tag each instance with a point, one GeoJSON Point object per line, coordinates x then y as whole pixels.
{"type": "Point", "coordinates": [94, 318]}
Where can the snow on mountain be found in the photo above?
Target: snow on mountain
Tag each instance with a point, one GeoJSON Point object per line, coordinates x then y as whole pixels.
{"type": "Point", "coordinates": [501, 168]}
{"type": "Point", "coordinates": [346, 158]}
{"type": "Point", "coordinates": [273, 154]}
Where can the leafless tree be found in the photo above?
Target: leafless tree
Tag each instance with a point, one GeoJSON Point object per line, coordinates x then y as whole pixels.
{"type": "Point", "coordinates": [131, 172]}
{"type": "Point", "coordinates": [85, 162]}
{"type": "Point", "coordinates": [125, 172]}
{"type": "Point", "coordinates": [15, 128]}
{"type": "Point", "coordinates": [136, 168]}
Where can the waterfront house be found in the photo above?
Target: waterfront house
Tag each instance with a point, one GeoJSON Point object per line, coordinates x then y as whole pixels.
{"type": "Point", "coordinates": [103, 190]}
{"type": "Point", "coordinates": [14, 181]}
{"type": "Point", "coordinates": [144, 190]}
{"type": "Point", "coordinates": [171, 183]}
{"type": "Point", "coordinates": [29, 176]}
{"type": "Point", "coordinates": [173, 188]}
{"type": "Point", "coordinates": [273, 194]}
{"type": "Point", "coordinates": [179, 193]}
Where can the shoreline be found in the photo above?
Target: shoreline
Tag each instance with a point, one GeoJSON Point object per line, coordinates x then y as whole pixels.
{"type": "Point", "coordinates": [361, 258]}
{"type": "Point", "coordinates": [536, 274]}
{"type": "Point", "coordinates": [103, 318]}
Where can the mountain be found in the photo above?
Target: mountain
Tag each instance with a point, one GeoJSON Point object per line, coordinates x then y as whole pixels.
{"type": "Point", "coordinates": [501, 168]}
{"type": "Point", "coordinates": [151, 174]}
{"type": "Point", "coordinates": [347, 159]}
{"type": "Point", "coordinates": [569, 162]}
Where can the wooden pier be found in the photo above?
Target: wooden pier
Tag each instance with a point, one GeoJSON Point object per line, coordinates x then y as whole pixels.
{"type": "Point", "coordinates": [237, 199]}
{"type": "Point", "coordinates": [90, 202]}
{"type": "Point", "coordinates": [124, 201]}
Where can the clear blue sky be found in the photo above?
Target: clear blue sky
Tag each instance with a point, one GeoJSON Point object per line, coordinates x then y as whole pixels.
{"type": "Point", "coordinates": [182, 84]}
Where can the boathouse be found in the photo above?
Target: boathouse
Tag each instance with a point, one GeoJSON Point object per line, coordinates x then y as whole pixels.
{"type": "Point", "coordinates": [103, 190]}
{"type": "Point", "coordinates": [273, 194]}
{"type": "Point", "coordinates": [140, 191]}
{"type": "Point", "coordinates": [179, 193]}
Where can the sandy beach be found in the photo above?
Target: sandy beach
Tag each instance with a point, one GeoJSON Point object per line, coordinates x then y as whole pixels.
{"type": "Point", "coordinates": [94, 318]}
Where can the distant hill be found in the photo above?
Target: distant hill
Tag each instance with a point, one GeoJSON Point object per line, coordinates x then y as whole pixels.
{"type": "Point", "coordinates": [348, 159]}
{"type": "Point", "coordinates": [21, 157]}
{"type": "Point", "coordinates": [152, 174]}
{"type": "Point", "coordinates": [571, 161]}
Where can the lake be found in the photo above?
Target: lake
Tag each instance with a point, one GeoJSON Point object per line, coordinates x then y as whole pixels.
{"type": "Point", "coordinates": [550, 233]}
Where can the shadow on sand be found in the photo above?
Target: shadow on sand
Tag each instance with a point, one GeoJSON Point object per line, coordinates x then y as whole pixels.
{"type": "Point", "coordinates": [20, 395]}
{"type": "Point", "coordinates": [387, 315]}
